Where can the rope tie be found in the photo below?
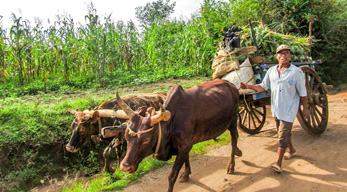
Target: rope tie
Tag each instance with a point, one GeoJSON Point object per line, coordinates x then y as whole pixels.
{"type": "Point", "coordinates": [158, 144]}
{"type": "Point", "coordinates": [133, 134]}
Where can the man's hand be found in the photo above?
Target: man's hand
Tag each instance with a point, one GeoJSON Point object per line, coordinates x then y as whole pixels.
{"type": "Point", "coordinates": [257, 87]}
{"type": "Point", "coordinates": [243, 85]}
{"type": "Point", "coordinates": [306, 113]}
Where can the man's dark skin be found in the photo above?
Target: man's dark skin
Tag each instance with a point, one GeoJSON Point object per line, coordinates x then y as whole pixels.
{"type": "Point", "coordinates": [283, 58]}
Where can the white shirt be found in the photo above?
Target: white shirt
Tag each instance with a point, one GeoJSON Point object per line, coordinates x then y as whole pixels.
{"type": "Point", "coordinates": [286, 91]}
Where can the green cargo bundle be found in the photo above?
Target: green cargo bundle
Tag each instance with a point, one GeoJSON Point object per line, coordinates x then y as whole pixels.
{"type": "Point", "coordinates": [268, 40]}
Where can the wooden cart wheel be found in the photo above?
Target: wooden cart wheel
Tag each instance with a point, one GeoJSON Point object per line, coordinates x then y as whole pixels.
{"type": "Point", "coordinates": [317, 104]}
{"type": "Point", "coordinates": [251, 121]}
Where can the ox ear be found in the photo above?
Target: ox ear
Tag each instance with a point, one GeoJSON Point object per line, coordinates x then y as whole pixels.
{"type": "Point", "coordinates": [167, 115]}
{"type": "Point", "coordinates": [71, 111]}
{"type": "Point", "coordinates": [142, 111]}
{"type": "Point", "coordinates": [125, 107]}
{"type": "Point", "coordinates": [151, 111]}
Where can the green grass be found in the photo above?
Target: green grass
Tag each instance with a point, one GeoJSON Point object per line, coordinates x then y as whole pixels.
{"type": "Point", "coordinates": [119, 180]}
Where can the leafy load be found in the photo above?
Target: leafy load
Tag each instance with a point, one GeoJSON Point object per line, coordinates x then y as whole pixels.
{"type": "Point", "coordinates": [268, 41]}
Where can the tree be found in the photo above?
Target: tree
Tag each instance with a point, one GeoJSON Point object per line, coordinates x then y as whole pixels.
{"type": "Point", "coordinates": [154, 11]}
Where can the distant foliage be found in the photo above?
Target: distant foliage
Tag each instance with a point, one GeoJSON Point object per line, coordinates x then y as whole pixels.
{"type": "Point", "coordinates": [154, 12]}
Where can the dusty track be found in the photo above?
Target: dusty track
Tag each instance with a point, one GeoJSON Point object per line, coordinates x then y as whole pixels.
{"type": "Point", "coordinates": [320, 163]}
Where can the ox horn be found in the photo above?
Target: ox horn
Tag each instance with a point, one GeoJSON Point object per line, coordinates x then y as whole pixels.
{"type": "Point", "coordinates": [112, 113]}
{"type": "Point", "coordinates": [160, 116]}
{"type": "Point", "coordinates": [130, 113]}
{"type": "Point", "coordinates": [71, 111]}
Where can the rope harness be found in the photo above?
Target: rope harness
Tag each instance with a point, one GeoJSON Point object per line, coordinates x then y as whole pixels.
{"type": "Point", "coordinates": [237, 74]}
{"type": "Point", "coordinates": [133, 134]}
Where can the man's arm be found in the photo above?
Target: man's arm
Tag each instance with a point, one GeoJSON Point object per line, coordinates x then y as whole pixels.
{"type": "Point", "coordinates": [256, 88]}
{"type": "Point", "coordinates": [305, 110]}
{"type": "Point", "coordinates": [301, 88]}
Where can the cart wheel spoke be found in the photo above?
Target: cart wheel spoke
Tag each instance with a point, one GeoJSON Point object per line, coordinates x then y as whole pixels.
{"type": "Point", "coordinates": [314, 120]}
{"type": "Point", "coordinates": [316, 88]}
{"type": "Point", "coordinates": [256, 116]}
{"type": "Point", "coordinates": [319, 113]}
{"type": "Point", "coordinates": [316, 116]}
{"type": "Point", "coordinates": [253, 121]}
{"type": "Point", "coordinates": [259, 112]}
{"type": "Point", "coordinates": [322, 106]}
{"type": "Point", "coordinates": [244, 117]}
{"type": "Point", "coordinates": [242, 110]}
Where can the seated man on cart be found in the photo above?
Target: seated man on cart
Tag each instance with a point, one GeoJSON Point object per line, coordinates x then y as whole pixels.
{"type": "Point", "coordinates": [287, 85]}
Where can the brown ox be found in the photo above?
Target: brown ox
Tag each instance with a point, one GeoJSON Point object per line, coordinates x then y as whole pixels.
{"type": "Point", "coordinates": [88, 123]}
{"type": "Point", "coordinates": [188, 117]}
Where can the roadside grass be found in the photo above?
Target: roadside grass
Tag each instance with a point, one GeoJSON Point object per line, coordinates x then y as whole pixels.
{"type": "Point", "coordinates": [33, 134]}
{"type": "Point", "coordinates": [119, 180]}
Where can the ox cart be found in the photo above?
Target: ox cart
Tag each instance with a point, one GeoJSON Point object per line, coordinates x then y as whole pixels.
{"type": "Point", "coordinates": [253, 105]}
{"type": "Point", "coordinates": [252, 118]}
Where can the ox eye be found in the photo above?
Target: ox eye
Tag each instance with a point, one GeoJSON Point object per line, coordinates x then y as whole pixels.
{"type": "Point", "coordinates": [146, 141]}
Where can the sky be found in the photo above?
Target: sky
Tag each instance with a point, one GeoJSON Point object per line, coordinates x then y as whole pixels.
{"type": "Point", "coordinates": [48, 9]}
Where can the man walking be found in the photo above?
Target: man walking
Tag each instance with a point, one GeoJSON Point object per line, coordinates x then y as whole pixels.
{"type": "Point", "coordinates": [287, 85]}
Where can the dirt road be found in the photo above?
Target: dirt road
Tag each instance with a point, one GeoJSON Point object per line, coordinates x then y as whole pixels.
{"type": "Point", "coordinates": [320, 163]}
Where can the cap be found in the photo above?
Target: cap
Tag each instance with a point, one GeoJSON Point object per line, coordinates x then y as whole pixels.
{"type": "Point", "coordinates": [282, 47]}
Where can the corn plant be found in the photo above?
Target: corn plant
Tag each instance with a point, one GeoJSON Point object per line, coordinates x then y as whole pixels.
{"type": "Point", "coordinates": [18, 34]}
{"type": "Point", "coordinates": [3, 48]}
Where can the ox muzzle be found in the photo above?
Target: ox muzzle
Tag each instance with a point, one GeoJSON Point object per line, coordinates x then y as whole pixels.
{"type": "Point", "coordinates": [125, 167]}
{"type": "Point", "coordinates": [71, 149]}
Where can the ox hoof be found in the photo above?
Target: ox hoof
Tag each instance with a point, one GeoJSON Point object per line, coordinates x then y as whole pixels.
{"type": "Point", "coordinates": [231, 171]}
{"type": "Point", "coordinates": [238, 152]}
{"type": "Point", "coordinates": [183, 178]}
